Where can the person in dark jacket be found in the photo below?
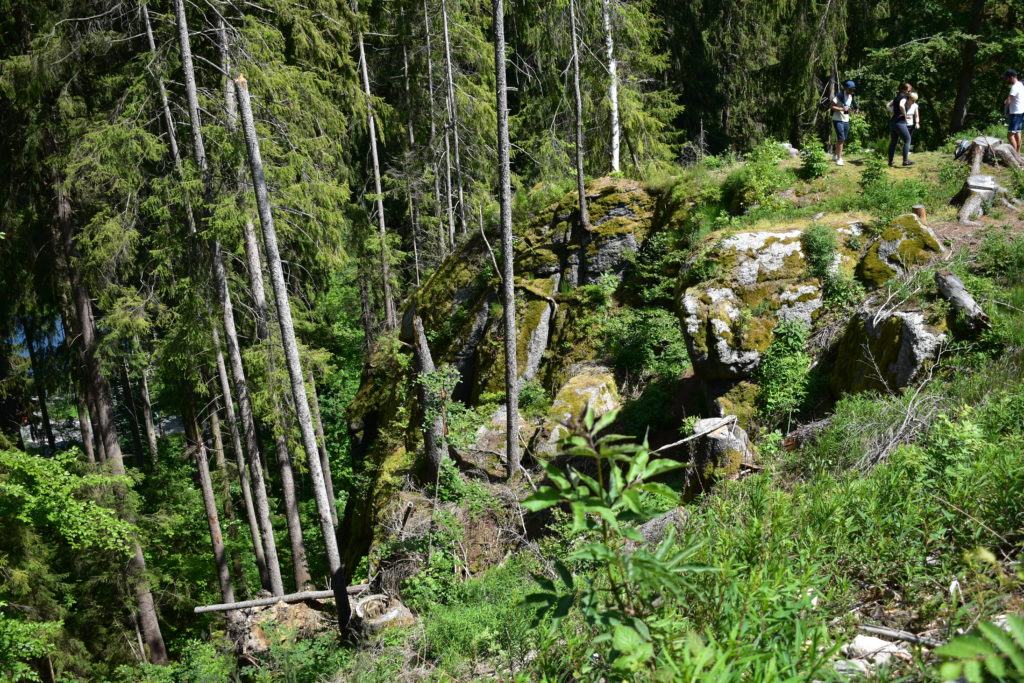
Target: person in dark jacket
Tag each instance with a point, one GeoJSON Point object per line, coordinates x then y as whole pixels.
{"type": "Point", "coordinates": [898, 129]}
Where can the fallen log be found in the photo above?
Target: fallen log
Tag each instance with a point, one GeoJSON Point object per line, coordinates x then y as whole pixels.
{"type": "Point", "coordinates": [953, 290]}
{"type": "Point", "coordinates": [896, 634]}
{"type": "Point", "coordinates": [273, 600]}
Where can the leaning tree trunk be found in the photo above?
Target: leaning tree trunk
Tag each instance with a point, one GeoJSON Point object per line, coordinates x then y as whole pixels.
{"type": "Point", "coordinates": [96, 386]}
{"type": "Point", "coordinates": [613, 81]}
{"type": "Point", "coordinates": [133, 414]}
{"type": "Point", "coordinates": [390, 318]}
{"type": "Point", "coordinates": [224, 482]}
{"type": "Point", "coordinates": [243, 470]}
{"type": "Point", "coordinates": [199, 454]}
{"type": "Point", "coordinates": [224, 297]}
{"type": "Point", "coordinates": [578, 98]}
{"type": "Point", "coordinates": [300, 567]}
{"type": "Point", "coordinates": [453, 116]}
{"type": "Point", "coordinates": [321, 442]}
{"type": "Point", "coordinates": [284, 319]}
{"type": "Point", "coordinates": [508, 270]}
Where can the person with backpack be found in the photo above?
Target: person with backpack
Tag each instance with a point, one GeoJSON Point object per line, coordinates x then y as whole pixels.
{"type": "Point", "coordinates": [898, 129]}
{"type": "Point", "coordinates": [1014, 104]}
{"type": "Point", "coordinates": [842, 106]}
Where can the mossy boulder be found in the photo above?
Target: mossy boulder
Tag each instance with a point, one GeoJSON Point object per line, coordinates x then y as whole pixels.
{"type": "Point", "coordinates": [720, 451]}
{"type": "Point", "coordinates": [737, 287]}
{"type": "Point", "coordinates": [904, 244]}
{"type": "Point", "coordinates": [885, 351]}
{"type": "Point", "coordinates": [592, 387]}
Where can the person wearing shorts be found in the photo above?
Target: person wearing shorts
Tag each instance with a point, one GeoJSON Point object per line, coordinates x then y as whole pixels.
{"type": "Point", "coordinates": [1014, 108]}
{"type": "Point", "coordinates": [842, 106]}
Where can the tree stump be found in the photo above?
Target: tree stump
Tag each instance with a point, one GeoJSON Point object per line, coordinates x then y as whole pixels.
{"type": "Point", "coordinates": [978, 192]}
{"type": "Point", "coordinates": [989, 150]}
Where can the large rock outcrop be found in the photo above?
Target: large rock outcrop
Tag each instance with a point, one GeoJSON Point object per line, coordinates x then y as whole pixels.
{"type": "Point", "coordinates": [885, 351]}
{"type": "Point", "coordinates": [462, 317]}
{"type": "Point", "coordinates": [738, 287]}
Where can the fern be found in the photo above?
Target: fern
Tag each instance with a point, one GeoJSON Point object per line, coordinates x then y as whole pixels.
{"type": "Point", "coordinates": [986, 654]}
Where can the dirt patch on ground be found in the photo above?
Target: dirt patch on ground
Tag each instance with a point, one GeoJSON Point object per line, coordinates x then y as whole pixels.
{"type": "Point", "coordinates": [958, 236]}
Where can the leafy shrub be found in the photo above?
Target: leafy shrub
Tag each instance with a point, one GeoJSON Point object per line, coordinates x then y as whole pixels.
{"type": "Point", "coordinates": [620, 607]}
{"type": "Point", "coordinates": [534, 401]}
{"type": "Point", "coordinates": [813, 163]}
{"type": "Point", "coordinates": [646, 342]}
{"type": "Point", "coordinates": [858, 136]}
{"type": "Point", "coordinates": [483, 619]}
{"type": "Point", "coordinates": [819, 247]}
{"type": "Point", "coordinates": [782, 374]}
{"type": "Point", "coordinates": [755, 183]}
{"type": "Point", "coordinates": [886, 199]}
{"type": "Point", "coordinates": [1002, 255]}
{"type": "Point", "coordinates": [989, 652]}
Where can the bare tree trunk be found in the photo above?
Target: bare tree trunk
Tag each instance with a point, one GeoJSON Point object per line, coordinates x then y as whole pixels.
{"type": "Point", "coordinates": [367, 312]}
{"type": "Point", "coordinates": [38, 382]}
{"type": "Point", "coordinates": [85, 426]}
{"type": "Point", "coordinates": [970, 54]}
{"type": "Point", "coordinates": [97, 387]}
{"type": "Point", "coordinates": [433, 428]}
{"type": "Point", "coordinates": [84, 420]}
{"type": "Point", "coordinates": [224, 481]}
{"type": "Point", "coordinates": [321, 441]}
{"type": "Point", "coordinates": [284, 459]}
{"type": "Point", "coordinates": [613, 81]}
{"type": "Point", "coordinates": [243, 470]}
{"type": "Point", "coordinates": [508, 255]}
{"type": "Point", "coordinates": [453, 115]}
{"type": "Point", "coordinates": [147, 416]}
{"type": "Point", "coordinates": [284, 318]}
{"type": "Point", "coordinates": [445, 243]}
{"type": "Point", "coordinates": [230, 335]}
{"type": "Point", "coordinates": [578, 98]}
{"type": "Point", "coordinates": [410, 169]}
{"type": "Point", "coordinates": [198, 452]}
{"type": "Point", "coordinates": [390, 319]}
{"type": "Point", "coordinates": [133, 414]}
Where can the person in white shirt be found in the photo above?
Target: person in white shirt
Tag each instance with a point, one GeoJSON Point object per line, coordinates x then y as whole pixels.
{"type": "Point", "coordinates": [1014, 108]}
{"type": "Point", "coordinates": [842, 106]}
{"type": "Point", "coordinates": [913, 114]}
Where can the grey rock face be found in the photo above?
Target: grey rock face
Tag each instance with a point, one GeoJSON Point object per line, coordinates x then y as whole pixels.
{"type": "Point", "coordinates": [885, 351]}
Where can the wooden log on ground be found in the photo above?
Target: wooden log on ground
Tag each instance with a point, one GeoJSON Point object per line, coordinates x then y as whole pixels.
{"type": "Point", "coordinates": [273, 600]}
{"type": "Point", "coordinates": [953, 290]}
{"type": "Point", "coordinates": [896, 634]}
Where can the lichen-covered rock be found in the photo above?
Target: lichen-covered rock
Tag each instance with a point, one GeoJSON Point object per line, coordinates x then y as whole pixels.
{"type": "Point", "coordinates": [758, 278]}
{"type": "Point", "coordinates": [589, 386]}
{"type": "Point", "coordinates": [905, 243]}
{"type": "Point", "coordinates": [734, 398]}
{"type": "Point", "coordinates": [884, 351]}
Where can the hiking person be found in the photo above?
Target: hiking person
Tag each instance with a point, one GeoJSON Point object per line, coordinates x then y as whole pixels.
{"type": "Point", "coordinates": [898, 129]}
{"type": "Point", "coordinates": [1014, 108]}
{"type": "Point", "coordinates": [913, 117]}
{"type": "Point", "coordinates": [843, 105]}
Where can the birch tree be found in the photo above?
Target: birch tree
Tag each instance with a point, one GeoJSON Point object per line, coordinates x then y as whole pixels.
{"type": "Point", "coordinates": [581, 187]}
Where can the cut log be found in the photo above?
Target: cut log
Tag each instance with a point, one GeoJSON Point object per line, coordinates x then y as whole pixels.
{"type": "Point", "coordinates": [953, 290]}
{"type": "Point", "coordinates": [273, 600]}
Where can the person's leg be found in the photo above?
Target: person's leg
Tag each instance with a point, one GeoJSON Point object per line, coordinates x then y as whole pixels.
{"type": "Point", "coordinates": [1014, 125]}
{"type": "Point", "coordinates": [904, 132]}
{"type": "Point", "coordinates": [894, 136]}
